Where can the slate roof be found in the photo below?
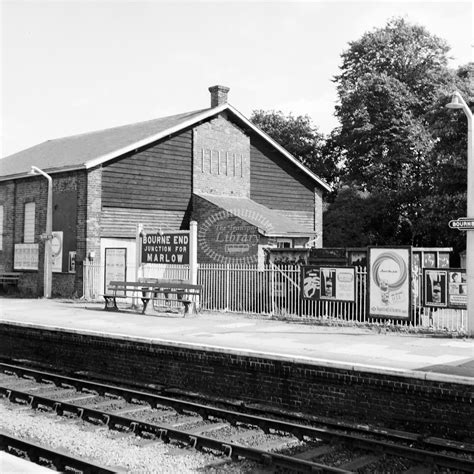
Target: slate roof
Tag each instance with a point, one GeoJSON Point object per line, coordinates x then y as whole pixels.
{"type": "Point", "coordinates": [78, 151]}
{"type": "Point", "coordinates": [269, 222]}
{"type": "Point", "coordinates": [94, 148]}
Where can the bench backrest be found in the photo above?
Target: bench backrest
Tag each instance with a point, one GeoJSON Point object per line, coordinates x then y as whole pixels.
{"type": "Point", "coordinates": [177, 286]}
{"type": "Point", "coordinates": [153, 283]}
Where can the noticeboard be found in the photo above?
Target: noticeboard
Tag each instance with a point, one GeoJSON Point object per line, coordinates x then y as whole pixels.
{"type": "Point", "coordinates": [389, 288]}
{"type": "Point", "coordinates": [115, 265]}
{"type": "Point", "coordinates": [168, 248]}
{"type": "Point", "coordinates": [25, 257]}
{"type": "Point", "coordinates": [328, 283]}
{"type": "Point", "coordinates": [445, 288]}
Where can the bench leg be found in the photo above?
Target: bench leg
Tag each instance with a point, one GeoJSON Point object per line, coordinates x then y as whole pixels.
{"type": "Point", "coordinates": [110, 303]}
{"type": "Point", "coordinates": [189, 307]}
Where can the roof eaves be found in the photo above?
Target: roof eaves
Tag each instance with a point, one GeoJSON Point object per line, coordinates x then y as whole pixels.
{"type": "Point", "coordinates": [158, 136]}
{"type": "Point", "coordinates": [46, 170]}
{"type": "Point", "coordinates": [280, 149]}
{"type": "Point", "coordinates": [309, 233]}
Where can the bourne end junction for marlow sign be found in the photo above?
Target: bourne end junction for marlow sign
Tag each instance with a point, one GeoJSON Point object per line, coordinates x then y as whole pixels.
{"type": "Point", "coordinates": [165, 248]}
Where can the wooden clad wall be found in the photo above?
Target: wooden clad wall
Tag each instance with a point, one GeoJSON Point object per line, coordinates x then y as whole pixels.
{"type": "Point", "coordinates": [277, 183]}
{"type": "Point", "coordinates": [159, 177]}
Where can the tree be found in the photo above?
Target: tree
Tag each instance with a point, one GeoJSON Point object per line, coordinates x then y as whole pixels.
{"type": "Point", "coordinates": [300, 137]}
{"type": "Point", "coordinates": [395, 135]}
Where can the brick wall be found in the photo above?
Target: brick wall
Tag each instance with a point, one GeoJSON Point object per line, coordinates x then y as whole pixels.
{"type": "Point", "coordinates": [7, 196]}
{"type": "Point", "coordinates": [14, 195]}
{"type": "Point", "coordinates": [93, 213]}
{"type": "Point", "coordinates": [222, 237]}
{"type": "Point", "coordinates": [34, 189]}
{"type": "Point", "coordinates": [434, 407]}
{"type": "Point", "coordinates": [221, 159]}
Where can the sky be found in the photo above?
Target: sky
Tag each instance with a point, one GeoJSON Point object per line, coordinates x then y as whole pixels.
{"type": "Point", "coordinates": [70, 67]}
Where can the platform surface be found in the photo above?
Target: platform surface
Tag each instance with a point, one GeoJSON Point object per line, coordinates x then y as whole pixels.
{"type": "Point", "coordinates": [434, 357]}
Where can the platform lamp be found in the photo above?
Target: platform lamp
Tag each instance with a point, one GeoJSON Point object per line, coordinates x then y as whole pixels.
{"type": "Point", "coordinates": [457, 102]}
{"type": "Point", "coordinates": [48, 235]}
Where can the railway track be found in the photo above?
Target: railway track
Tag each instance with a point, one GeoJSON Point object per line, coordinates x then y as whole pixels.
{"type": "Point", "coordinates": [48, 457]}
{"type": "Point", "coordinates": [302, 446]}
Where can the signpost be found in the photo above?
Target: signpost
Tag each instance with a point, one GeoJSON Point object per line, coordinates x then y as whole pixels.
{"type": "Point", "coordinates": [463, 223]}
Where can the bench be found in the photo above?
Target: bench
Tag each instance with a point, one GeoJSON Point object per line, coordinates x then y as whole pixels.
{"type": "Point", "coordinates": [186, 294]}
{"type": "Point", "coordinates": [151, 289]}
{"type": "Point", "coordinates": [9, 278]}
{"type": "Point", "coordinates": [124, 289]}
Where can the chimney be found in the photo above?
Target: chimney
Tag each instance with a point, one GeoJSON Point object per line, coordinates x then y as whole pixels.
{"type": "Point", "coordinates": [218, 95]}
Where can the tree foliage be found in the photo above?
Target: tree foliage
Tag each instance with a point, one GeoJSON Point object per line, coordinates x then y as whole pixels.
{"type": "Point", "coordinates": [399, 142]}
{"type": "Point", "coordinates": [299, 136]}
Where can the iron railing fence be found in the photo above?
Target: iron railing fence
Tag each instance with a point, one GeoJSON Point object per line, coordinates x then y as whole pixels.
{"type": "Point", "coordinates": [275, 290]}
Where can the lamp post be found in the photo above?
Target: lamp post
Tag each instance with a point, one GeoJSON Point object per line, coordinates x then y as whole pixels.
{"type": "Point", "coordinates": [48, 270]}
{"type": "Point", "coordinates": [457, 102]}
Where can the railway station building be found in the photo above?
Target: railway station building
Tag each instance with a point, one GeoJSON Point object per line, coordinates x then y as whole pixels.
{"type": "Point", "coordinates": [212, 166]}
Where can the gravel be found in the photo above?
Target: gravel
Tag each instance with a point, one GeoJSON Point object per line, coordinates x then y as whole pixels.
{"type": "Point", "coordinates": [122, 452]}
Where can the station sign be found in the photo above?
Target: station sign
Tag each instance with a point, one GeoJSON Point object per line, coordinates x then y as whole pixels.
{"type": "Point", "coordinates": [166, 248]}
{"type": "Point", "coordinates": [463, 223]}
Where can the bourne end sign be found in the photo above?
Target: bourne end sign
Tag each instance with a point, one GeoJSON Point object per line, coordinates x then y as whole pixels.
{"type": "Point", "coordinates": [463, 223]}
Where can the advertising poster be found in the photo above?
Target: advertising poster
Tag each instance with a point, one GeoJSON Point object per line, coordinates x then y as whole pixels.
{"type": "Point", "coordinates": [328, 283]}
{"type": "Point", "coordinates": [457, 288]}
{"type": "Point", "coordinates": [445, 288]}
{"type": "Point", "coordinates": [435, 288]}
{"type": "Point", "coordinates": [389, 282]}
{"type": "Point", "coordinates": [57, 252]}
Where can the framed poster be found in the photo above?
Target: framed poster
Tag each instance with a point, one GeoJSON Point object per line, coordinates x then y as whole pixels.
{"type": "Point", "coordinates": [115, 265]}
{"type": "Point", "coordinates": [57, 252]}
{"type": "Point", "coordinates": [435, 287]}
{"type": "Point", "coordinates": [389, 288]}
{"type": "Point", "coordinates": [445, 288]}
{"type": "Point", "coordinates": [328, 283]}
{"type": "Point", "coordinates": [457, 288]}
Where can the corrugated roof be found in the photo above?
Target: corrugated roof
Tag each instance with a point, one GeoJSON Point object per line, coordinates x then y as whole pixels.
{"type": "Point", "coordinates": [78, 150]}
{"type": "Point", "coordinates": [269, 221]}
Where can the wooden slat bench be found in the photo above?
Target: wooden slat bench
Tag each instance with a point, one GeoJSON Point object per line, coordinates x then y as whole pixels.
{"type": "Point", "coordinates": [124, 289]}
{"type": "Point", "coordinates": [9, 278]}
{"type": "Point", "coordinates": [186, 294]}
{"type": "Point", "coordinates": [154, 290]}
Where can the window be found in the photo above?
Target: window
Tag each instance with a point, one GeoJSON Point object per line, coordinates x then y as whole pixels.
{"type": "Point", "coordinates": [29, 224]}
{"type": "Point", "coordinates": [1, 227]}
{"type": "Point", "coordinates": [284, 243]}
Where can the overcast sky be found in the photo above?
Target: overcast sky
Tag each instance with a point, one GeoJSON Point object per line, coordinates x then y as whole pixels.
{"type": "Point", "coordinates": [73, 67]}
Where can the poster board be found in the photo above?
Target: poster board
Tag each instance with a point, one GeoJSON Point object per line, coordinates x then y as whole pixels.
{"type": "Point", "coordinates": [328, 283]}
{"type": "Point", "coordinates": [26, 257]}
{"type": "Point", "coordinates": [389, 288]}
{"type": "Point", "coordinates": [445, 288]}
{"type": "Point", "coordinates": [57, 252]}
{"type": "Point", "coordinates": [115, 265]}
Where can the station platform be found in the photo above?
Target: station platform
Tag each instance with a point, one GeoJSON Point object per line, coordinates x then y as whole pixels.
{"type": "Point", "coordinates": [438, 357]}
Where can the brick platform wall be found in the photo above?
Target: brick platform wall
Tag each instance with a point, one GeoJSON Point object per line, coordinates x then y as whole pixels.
{"type": "Point", "coordinates": [436, 408]}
